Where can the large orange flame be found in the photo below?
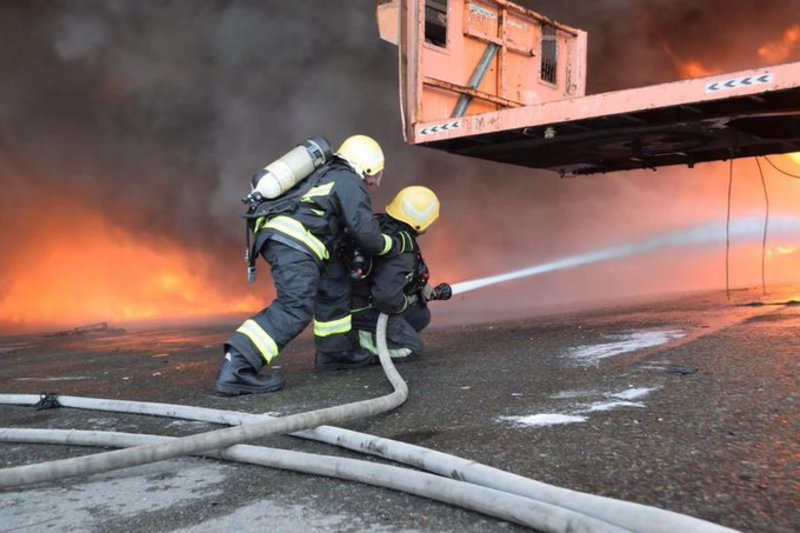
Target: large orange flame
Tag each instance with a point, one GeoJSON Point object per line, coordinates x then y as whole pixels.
{"type": "Point", "coordinates": [770, 53]}
{"type": "Point", "coordinates": [780, 49]}
{"type": "Point", "coordinates": [694, 69]}
{"type": "Point", "coordinates": [82, 270]}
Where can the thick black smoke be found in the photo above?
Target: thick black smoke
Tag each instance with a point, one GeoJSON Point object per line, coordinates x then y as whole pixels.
{"type": "Point", "coordinates": [628, 38]}
{"type": "Point", "coordinates": [155, 114]}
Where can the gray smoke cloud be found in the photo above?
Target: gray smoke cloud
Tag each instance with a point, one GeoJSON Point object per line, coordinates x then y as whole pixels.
{"type": "Point", "coordinates": [154, 114]}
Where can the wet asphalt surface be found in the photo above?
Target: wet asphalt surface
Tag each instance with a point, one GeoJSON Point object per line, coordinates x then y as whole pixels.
{"type": "Point", "coordinates": [711, 427]}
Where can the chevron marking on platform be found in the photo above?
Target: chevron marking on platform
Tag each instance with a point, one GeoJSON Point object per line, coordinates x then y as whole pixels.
{"type": "Point", "coordinates": [737, 83]}
{"type": "Point", "coordinates": [439, 128]}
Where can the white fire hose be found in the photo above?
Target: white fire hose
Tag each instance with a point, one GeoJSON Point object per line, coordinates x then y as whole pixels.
{"type": "Point", "coordinates": [482, 488]}
{"type": "Point", "coordinates": [518, 509]}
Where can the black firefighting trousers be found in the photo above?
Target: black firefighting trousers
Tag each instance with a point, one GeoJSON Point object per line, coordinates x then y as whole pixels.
{"type": "Point", "coordinates": [304, 289]}
{"type": "Point", "coordinates": [402, 331]}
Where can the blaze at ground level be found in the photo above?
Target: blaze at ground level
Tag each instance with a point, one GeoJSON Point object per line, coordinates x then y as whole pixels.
{"type": "Point", "coordinates": [688, 403]}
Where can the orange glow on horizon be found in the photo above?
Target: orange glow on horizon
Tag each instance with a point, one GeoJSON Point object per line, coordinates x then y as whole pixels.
{"type": "Point", "coordinates": [795, 157]}
{"type": "Point", "coordinates": [85, 271]}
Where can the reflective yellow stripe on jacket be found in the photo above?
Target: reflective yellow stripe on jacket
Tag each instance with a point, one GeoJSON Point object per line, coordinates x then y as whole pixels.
{"type": "Point", "coordinates": [296, 230]}
{"type": "Point", "coordinates": [387, 244]}
{"type": "Point", "coordinates": [341, 325]}
{"type": "Point", "coordinates": [265, 344]}
{"type": "Point", "coordinates": [408, 246]}
{"type": "Point", "coordinates": [319, 190]}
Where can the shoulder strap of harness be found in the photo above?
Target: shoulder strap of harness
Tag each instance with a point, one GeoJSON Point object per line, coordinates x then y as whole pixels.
{"type": "Point", "coordinates": [264, 210]}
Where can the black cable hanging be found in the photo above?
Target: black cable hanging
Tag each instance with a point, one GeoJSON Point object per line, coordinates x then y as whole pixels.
{"type": "Point", "coordinates": [766, 225]}
{"type": "Point", "coordinates": [728, 233]}
{"type": "Point", "coordinates": [776, 167]}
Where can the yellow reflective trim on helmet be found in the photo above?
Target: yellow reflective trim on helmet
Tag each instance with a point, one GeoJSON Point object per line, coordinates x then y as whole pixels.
{"type": "Point", "coordinates": [364, 153]}
{"type": "Point", "coordinates": [319, 190]}
{"type": "Point", "coordinates": [387, 244]}
{"type": "Point", "coordinates": [265, 344]}
{"type": "Point", "coordinates": [333, 327]}
{"type": "Point", "coordinates": [293, 228]}
{"type": "Point", "coordinates": [417, 206]}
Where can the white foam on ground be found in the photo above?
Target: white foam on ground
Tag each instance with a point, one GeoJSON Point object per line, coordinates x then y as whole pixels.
{"type": "Point", "coordinates": [543, 419]}
{"type": "Point", "coordinates": [608, 406]}
{"type": "Point", "coordinates": [570, 394]}
{"type": "Point", "coordinates": [188, 424]}
{"type": "Point", "coordinates": [624, 343]}
{"type": "Point", "coordinates": [617, 399]}
{"type": "Point", "coordinates": [633, 393]}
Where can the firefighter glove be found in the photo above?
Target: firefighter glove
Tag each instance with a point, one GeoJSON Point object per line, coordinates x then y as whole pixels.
{"type": "Point", "coordinates": [428, 293]}
{"type": "Point", "coordinates": [411, 299]}
{"type": "Point", "coordinates": [443, 291]}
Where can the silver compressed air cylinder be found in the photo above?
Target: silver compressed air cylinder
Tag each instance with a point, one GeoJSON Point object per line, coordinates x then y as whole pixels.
{"type": "Point", "coordinates": [284, 173]}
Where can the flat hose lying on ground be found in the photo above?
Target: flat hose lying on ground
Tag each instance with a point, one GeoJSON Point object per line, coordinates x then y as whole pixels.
{"type": "Point", "coordinates": [623, 514]}
{"type": "Point", "coordinates": [509, 507]}
{"type": "Point", "coordinates": [629, 515]}
{"type": "Point", "coordinates": [212, 440]}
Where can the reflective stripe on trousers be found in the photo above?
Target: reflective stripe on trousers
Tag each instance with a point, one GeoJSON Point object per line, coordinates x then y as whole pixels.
{"type": "Point", "coordinates": [261, 339]}
{"type": "Point", "coordinates": [333, 327]}
{"type": "Point", "coordinates": [365, 339]}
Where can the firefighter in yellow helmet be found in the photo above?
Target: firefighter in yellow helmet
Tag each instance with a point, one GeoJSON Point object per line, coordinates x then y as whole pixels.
{"type": "Point", "coordinates": [399, 285]}
{"type": "Point", "coordinates": [298, 242]}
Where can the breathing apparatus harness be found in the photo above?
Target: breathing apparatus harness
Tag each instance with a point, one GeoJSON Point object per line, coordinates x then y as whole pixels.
{"type": "Point", "coordinates": [360, 264]}
{"type": "Point", "coordinates": [420, 276]}
{"type": "Point", "coordinates": [290, 177]}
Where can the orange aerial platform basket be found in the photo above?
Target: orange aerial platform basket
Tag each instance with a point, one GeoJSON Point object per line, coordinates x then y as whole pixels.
{"type": "Point", "coordinates": [493, 80]}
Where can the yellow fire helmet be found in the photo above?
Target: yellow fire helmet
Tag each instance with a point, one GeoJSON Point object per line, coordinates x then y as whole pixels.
{"type": "Point", "coordinates": [364, 153]}
{"type": "Point", "coordinates": [416, 205]}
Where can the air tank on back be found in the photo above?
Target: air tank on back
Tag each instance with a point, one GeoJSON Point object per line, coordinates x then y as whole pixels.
{"type": "Point", "coordinates": [285, 172]}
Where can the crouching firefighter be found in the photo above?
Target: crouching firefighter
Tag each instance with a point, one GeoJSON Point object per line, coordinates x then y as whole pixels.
{"type": "Point", "coordinates": [398, 285]}
{"type": "Point", "coordinates": [296, 222]}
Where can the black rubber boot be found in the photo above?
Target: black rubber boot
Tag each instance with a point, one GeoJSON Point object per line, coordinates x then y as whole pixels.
{"type": "Point", "coordinates": [237, 376]}
{"type": "Point", "coordinates": [328, 362]}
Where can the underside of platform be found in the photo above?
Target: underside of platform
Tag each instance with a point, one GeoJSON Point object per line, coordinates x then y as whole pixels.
{"type": "Point", "coordinates": [744, 126]}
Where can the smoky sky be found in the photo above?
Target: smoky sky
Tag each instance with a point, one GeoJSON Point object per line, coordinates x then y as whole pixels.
{"type": "Point", "coordinates": [155, 113]}
{"type": "Point", "coordinates": [627, 38]}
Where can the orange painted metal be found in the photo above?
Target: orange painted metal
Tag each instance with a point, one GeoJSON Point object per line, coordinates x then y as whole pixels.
{"type": "Point", "coordinates": [490, 79]}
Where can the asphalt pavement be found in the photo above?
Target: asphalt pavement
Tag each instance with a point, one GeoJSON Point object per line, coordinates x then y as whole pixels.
{"type": "Point", "coordinates": [687, 403]}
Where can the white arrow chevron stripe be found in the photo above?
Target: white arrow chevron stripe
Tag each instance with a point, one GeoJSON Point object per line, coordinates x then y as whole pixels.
{"type": "Point", "coordinates": [735, 83]}
{"type": "Point", "coordinates": [447, 126]}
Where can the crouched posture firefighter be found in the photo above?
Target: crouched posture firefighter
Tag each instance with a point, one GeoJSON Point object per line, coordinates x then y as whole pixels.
{"type": "Point", "coordinates": [309, 278]}
{"type": "Point", "coordinates": [398, 285]}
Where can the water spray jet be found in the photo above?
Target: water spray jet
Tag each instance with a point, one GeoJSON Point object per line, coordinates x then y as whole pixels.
{"type": "Point", "coordinates": [699, 235]}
